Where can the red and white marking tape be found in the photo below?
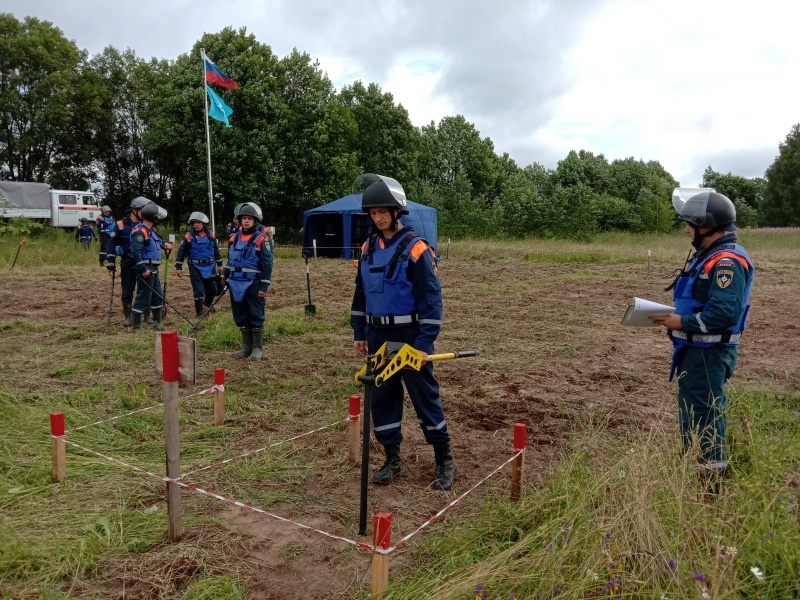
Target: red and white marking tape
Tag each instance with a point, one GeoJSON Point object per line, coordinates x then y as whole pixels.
{"type": "Point", "coordinates": [214, 388]}
{"type": "Point", "coordinates": [252, 452]}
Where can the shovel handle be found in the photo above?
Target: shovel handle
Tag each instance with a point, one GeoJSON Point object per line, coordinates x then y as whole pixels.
{"type": "Point", "coordinates": [451, 355]}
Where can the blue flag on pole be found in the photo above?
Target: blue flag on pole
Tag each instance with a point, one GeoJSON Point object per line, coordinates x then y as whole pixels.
{"type": "Point", "coordinates": [218, 109]}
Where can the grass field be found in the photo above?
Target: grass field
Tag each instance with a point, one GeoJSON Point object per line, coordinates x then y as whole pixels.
{"type": "Point", "coordinates": [610, 507]}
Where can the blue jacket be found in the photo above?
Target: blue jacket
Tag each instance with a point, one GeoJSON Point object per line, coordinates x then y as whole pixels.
{"type": "Point", "coordinates": [119, 243]}
{"type": "Point", "coordinates": [146, 247]}
{"type": "Point", "coordinates": [397, 285]}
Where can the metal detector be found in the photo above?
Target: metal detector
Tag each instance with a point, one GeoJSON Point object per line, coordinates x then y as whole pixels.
{"type": "Point", "coordinates": [310, 308]}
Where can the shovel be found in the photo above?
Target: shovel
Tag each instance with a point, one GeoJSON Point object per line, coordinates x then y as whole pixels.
{"type": "Point", "coordinates": [310, 308]}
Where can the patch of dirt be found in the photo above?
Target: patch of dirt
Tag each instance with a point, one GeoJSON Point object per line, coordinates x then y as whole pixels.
{"type": "Point", "coordinates": [553, 356]}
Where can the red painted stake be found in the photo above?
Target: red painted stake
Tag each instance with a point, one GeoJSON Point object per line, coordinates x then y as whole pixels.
{"type": "Point", "coordinates": [352, 431]}
{"type": "Point", "coordinates": [520, 443]}
{"type": "Point", "coordinates": [59, 447]}
{"type": "Point", "coordinates": [219, 397]}
{"type": "Point", "coordinates": [169, 356]}
{"type": "Point", "coordinates": [169, 353]}
{"type": "Point", "coordinates": [381, 538]}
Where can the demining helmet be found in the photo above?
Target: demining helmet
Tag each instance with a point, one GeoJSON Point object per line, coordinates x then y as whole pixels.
{"type": "Point", "coordinates": [198, 216]}
{"type": "Point", "coordinates": [153, 212]}
{"type": "Point", "coordinates": [248, 209]}
{"type": "Point", "coordinates": [381, 192]}
{"type": "Point", "coordinates": [84, 220]}
{"type": "Point", "coordinates": [105, 209]}
{"type": "Point", "coordinates": [704, 207]}
{"type": "Point", "coordinates": [140, 202]}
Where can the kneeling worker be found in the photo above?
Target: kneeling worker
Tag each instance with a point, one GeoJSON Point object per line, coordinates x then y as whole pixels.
{"type": "Point", "coordinates": [398, 298]}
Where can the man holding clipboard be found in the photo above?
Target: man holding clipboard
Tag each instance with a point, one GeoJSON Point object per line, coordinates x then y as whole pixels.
{"type": "Point", "coordinates": [712, 299]}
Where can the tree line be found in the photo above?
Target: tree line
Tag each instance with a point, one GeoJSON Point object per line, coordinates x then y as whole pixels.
{"type": "Point", "coordinates": [131, 127]}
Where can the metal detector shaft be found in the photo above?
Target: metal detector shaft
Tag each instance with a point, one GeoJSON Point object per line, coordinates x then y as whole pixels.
{"type": "Point", "coordinates": [208, 310]}
{"type": "Point", "coordinates": [166, 273]}
{"type": "Point", "coordinates": [451, 355]}
{"type": "Point", "coordinates": [177, 312]}
{"type": "Point", "coordinates": [22, 241]}
{"type": "Point", "coordinates": [365, 440]}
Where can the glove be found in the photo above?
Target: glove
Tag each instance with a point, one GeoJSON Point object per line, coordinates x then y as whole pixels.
{"type": "Point", "coordinates": [111, 267]}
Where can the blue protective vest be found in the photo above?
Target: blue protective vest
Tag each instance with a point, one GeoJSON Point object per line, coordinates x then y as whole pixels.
{"type": "Point", "coordinates": [384, 277]}
{"type": "Point", "coordinates": [104, 224]}
{"type": "Point", "coordinates": [86, 231]}
{"type": "Point", "coordinates": [243, 262]}
{"type": "Point", "coordinates": [151, 251]}
{"type": "Point", "coordinates": [122, 239]}
{"type": "Point", "coordinates": [201, 252]}
{"type": "Point", "coordinates": [685, 304]}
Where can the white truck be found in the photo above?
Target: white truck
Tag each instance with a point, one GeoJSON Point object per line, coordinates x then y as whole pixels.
{"type": "Point", "coordinates": [39, 202]}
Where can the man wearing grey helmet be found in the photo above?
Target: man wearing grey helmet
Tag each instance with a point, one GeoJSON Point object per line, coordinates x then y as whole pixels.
{"type": "Point", "coordinates": [104, 223]}
{"type": "Point", "coordinates": [200, 248]}
{"type": "Point", "coordinates": [712, 299]}
{"type": "Point", "coordinates": [119, 244]}
{"type": "Point", "coordinates": [146, 246]}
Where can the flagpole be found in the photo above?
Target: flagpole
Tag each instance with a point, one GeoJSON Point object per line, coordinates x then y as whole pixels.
{"type": "Point", "coordinates": [208, 140]}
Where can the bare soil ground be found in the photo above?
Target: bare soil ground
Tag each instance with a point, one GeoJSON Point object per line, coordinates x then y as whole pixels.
{"type": "Point", "coordinates": [553, 356]}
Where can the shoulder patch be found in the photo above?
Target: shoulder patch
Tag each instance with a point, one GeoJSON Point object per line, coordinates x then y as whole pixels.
{"type": "Point", "coordinates": [724, 277]}
{"type": "Point", "coordinates": [139, 237]}
{"type": "Point", "coordinates": [725, 262]}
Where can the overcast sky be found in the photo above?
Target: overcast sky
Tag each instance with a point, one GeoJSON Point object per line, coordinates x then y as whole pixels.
{"type": "Point", "coordinates": [689, 83]}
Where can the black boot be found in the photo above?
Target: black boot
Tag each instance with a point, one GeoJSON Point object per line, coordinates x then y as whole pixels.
{"type": "Point", "coordinates": [137, 323]}
{"type": "Point", "coordinates": [258, 342]}
{"type": "Point", "coordinates": [126, 311]}
{"type": "Point", "coordinates": [158, 314]}
{"type": "Point", "coordinates": [445, 467]}
{"type": "Point", "coordinates": [247, 344]}
{"type": "Point", "coordinates": [208, 301]}
{"type": "Point", "coordinates": [147, 318]}
{"type": "Point", "coordinates": [391, 468]}
{"type": "Point", "coordinates": [198, 307]}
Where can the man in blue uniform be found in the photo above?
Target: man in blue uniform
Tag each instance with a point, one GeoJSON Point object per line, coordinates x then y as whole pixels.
{"type": "Point", "coordinates": [248, 275]}
{"type": "Point", "coordinates": [398, 298]}
{"type": "Point", "coordinates": [146, 246]}
{"type": "Point", "coordinates": [712, 299]}
{"type": "Point", "coordinates": [85, 234]}
{"type": "Point", "coordinates": [104, 223]}
{"type": "Point", "coordinates": [200, 248]}
{"type": "Point", "coordinates": [119, 244]}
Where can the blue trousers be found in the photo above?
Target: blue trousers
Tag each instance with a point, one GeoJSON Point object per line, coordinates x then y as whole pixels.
{"type": "Point", "coordinates": [127, 277]}
{"type": "Point", "coordinates": [202, 287]}
{"type": "Point", "coordinates": [702, 404]}
{"type": "Point", "coordinates": [423, 390]}
{"type": "Point", "coordinates": [249, 313]}
{"type": "Point", "coordinates": [149, 294]}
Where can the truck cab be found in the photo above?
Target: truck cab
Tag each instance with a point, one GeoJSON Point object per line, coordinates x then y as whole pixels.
{"type": "Point", "coordinates": [69, 207]}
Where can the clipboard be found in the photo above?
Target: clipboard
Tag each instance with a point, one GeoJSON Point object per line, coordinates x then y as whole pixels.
{"type": "Point", "coordinates": [638, 311]}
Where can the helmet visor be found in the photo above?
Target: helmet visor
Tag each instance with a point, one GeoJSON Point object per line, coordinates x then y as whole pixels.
{"type": "Point", "coordinates": [694, 211]}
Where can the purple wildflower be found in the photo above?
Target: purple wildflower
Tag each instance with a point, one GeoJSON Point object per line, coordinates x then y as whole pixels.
{"type": "Point", "coordinates": [557, 591]}
{"type": "Point", "coordinates": [699, 577]}
{"type": "Point", "coordinates": [672, 565]}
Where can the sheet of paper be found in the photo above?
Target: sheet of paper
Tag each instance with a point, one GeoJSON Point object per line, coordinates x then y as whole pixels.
{"type": "Point", "coordinates": [637, 313]}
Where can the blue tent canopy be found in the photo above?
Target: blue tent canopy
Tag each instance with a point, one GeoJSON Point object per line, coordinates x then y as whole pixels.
{"type": "Point", "coordinates": [340, 227]}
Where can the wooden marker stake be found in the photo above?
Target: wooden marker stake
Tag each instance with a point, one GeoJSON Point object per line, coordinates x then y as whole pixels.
{"type": "Point", "coordinates": [520, 442]}
{"type": "Point", "coordinates": [352, 431]}
{"type": "Point", "coordinates": [381, 538]}
{"type": "Point", "coordinates": [169, 355]}
{"type": "Point", "coordinates": [219, 397]}
{"type": "Point", "coordinates": [59, 447]}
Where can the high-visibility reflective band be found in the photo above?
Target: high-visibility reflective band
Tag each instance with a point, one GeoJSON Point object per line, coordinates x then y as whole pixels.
{"type": "Point", "coordinates": [430, 321]}
{"type": "Point", "coordinates": [149, 262]}
{"type": "Point", "coordinates": [436, 427]}
{"type": "Point", "coordinates": [358, 313]}
{"type": "Point", "coordinates": [205, 261]}
{"type": "Point", "coordinates": [392, 320]}
{"type": "Point", "coordinates": [703, 338]}
{"type": "Point", "coordinates": [389, 426]}
{"type": "Point", "coordinates": [244, 270]}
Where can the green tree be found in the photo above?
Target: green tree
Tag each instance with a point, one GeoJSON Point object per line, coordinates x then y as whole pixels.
{"type": "Point", "coordinates": [50, 105]}
{"type": "Point", "coordinates": [735, 187]}
{"type": "Point", "coordinates": [583, 168]}
{"type": "Point", "coordinates": [781, 200]}
{"type": "Point", "coordinates": [387, 143]}
{"type": "Point", "coordinates": [126, 167]}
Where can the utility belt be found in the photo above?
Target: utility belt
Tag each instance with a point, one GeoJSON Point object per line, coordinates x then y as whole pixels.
{"type": "Point", "coordinates": [204, 261]}
{"type": "Point", "coordinates": [725, 338]}
{"type": "Point", "coordinates": [149, 262]}
{"type": "Point", "coordinates": [243, 270]}
{"type": "Point", "coordinates": [393, 319]}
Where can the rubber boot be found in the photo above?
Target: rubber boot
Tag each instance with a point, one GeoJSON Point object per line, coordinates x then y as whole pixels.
{"type": "Point", "coordinates": [247, 344]}
{"type": "Point", "coordinates": [258, 342]}
{"type": "Point", "coordinates": [158, 314]}
{"type": "Point", "coordinates": [208, 301]}
{"type": "Point", "coordinates": [126, 311]}
{"type": "Point", "coordinates": [445, 467]}
{"type": "Point", "coordinates": [137, 322]}
{"type": "Point", "coordinates": [391, 468]}
{"type": "Point", "coordinates": [198, 307]}
{"type": "Point", "coordinates": [147, 318]}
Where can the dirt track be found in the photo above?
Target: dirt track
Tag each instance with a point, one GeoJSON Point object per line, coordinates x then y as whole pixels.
{"type": "Point", "coordinates": [553, 356]}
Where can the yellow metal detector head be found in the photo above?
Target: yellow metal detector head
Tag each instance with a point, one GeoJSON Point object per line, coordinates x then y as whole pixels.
{"type": "Point", "coordinates": [393, 356]}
